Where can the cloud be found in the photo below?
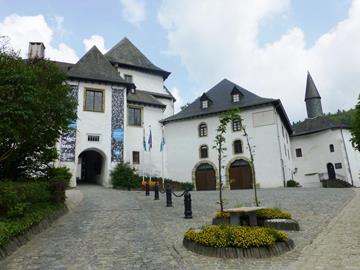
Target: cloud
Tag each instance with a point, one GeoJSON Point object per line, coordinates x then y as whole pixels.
{"type": "Point", "coordinates": [133, 11]}
{"type": "Point", "coordinates": [179, 100]}
{"type": "Point", "coordinates": [23, 29]}
{"type": "Point", "coordinates": [96, 40]}
{"type": "Point", "coordinates": [219, 39]}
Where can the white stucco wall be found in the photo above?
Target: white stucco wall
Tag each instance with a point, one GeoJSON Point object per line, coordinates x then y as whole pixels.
{"type": "Point", "coordinates": [144, 81]}
{"type": "Point", "coordinates": [262, 125]}
{"type": "Point", "coordinates": [316, 154]}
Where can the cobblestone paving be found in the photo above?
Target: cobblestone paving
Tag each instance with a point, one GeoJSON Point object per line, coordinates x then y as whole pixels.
{"type": "Point", "coordinates": [338, 246]}
{"type": "Point", "coordinates": [126, 230]}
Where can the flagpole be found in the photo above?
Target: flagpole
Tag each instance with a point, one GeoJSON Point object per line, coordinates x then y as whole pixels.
{"type": "Point", "coordinates": [162, 155]}
{"type": "Point", "coordinates": [150, 146]}
{"type": "Point", "coordinates": [143, 156]}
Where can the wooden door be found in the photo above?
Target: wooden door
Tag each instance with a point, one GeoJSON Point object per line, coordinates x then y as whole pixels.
{"type": "Point", "coordinates": [240, 175]}
{"type": "Point", "coordinates": [331, 171]}
{"type": "Point", "coordinates": [205, 177]}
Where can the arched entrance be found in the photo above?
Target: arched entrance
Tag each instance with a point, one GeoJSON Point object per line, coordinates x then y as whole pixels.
{"type": "Point", "coordinates": [331, 171]}
{"type": "Point", "coordinates": [205, 177]}
{"type": "Point", "coordinates": [91, 165]}
{"type": "Point", "coordinates": [240, 175]}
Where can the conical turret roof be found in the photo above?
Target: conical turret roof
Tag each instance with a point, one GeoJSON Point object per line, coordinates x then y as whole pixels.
{"type": "Point", "coordinates": [311, 90]}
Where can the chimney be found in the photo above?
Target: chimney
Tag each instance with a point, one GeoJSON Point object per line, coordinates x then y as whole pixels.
{"type": "Point", "coordinates": [36, 50]}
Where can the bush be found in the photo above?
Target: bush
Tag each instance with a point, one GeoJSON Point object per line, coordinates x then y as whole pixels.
{"type": "Point", "coordinates": [10, 228]}
{"type": "Point", "coordinates": [123, 175]}
{"type": "Point", "coordinates": [235, 236]}
{"type": "Point", "coordinates": [292, 183]}
{"type": "Point", "coordinates": [272, 213]}
{"type": "Point", "coordinates": [60, 173]}
{"type": "Point", "coordinates": [16, 197]}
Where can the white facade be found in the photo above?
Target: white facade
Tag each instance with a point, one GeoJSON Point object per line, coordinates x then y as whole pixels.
{"type": "Point", "coordinates": [316, 154]}
{"type": "Point", "coordinates": [273, 165]}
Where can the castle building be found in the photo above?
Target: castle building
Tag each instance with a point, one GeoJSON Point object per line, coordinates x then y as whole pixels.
{"type": "Point", "coordinates": [321, 148]}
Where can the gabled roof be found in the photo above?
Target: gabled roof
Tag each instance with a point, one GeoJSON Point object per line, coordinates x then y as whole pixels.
{"type": "Point", "coordinates": [220, 95]}
{"type": "Point", "coordinates": [94, 66]}
{"type": "Point", "coordinates": [311, 90]}
{"type": "Point", "coordinates": [144, 98]}
{"type": "Point", "coordinates": [317, 124]}
{"type": "Point", "coordinates": [125, 53]}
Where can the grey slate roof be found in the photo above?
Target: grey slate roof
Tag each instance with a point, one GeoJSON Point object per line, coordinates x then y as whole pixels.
{"type": "Point", "coordinates": [127, 54]}
{"type": "Point", "coordinates": [144, 98]}
{"type": "Point", "coordinates": [311, 90]}
{"type": "Point", "coordinates": [95, 67]}
{"type": "Point", "coordinates": [220, 96]}
{"type": "Point", "coordinates": [317, 124]}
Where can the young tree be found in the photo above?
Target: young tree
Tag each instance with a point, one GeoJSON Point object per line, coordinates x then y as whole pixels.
{"type": "Point", "coordinates": [355, 127]}
{"type": "Point", "coordinates": [225, 118]}
{"type": "Point", "coordinates": [35, 108]}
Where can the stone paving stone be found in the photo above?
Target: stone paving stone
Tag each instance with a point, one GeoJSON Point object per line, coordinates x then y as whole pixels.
{"type": "Point", "coordinates": [112, 229]}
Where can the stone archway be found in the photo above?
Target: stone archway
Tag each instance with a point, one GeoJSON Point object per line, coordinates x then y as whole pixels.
{"type": "Point", "coordinates": [91, 166]}
{"type": "Point", "coordinates": [239, 173]}
{"type": "Point", "coordinates": [202, 165]}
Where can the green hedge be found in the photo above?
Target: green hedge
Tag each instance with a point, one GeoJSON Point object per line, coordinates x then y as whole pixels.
{"type": "Point", "coordinates": [175, 185]}
{"type": "Point", "coordinates": [235, 236]}
{"type": "Point", "coordinates": [292, 183]}
{"type": "Point", "coordinates": [10, 228]}
{"type": "Point", "coordinates": [62, 174]}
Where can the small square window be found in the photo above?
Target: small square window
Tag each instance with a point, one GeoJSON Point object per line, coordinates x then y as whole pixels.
{"type": "Point", "coordinates": [136, 157]}
{"type": "Point", "coordinates": [204, 104]}
{"type": "Point", "coordinates": [128, 78]}
{"type": "Point", "coordinates": [298, 152]}
{"type": "Point", "coordinates": [93, 138]}
{"type": "Point", "coordinates": [338, 165]}
{"type": "Point", "coordinates": [134, 116]}
{"type": "Point", "coordinates": [236, 97]}
{"type": "Point", "coordinates": [204, 151]}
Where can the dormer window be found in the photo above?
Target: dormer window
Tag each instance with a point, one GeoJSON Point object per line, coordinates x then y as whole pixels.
{"type": "Point", "coordinates": [236, 98]}
{"type": "Point", "coordinates": [128, 78]}
{"type": "Point", "coordinates": [204, 104]}
{"type": "Point", "coordinates": [205, 101]}
{"type": "Point", "coordinates": [235, 95]}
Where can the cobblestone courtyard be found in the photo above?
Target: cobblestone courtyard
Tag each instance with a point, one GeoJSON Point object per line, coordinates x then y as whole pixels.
{"type": "Point", "coordinates": [112, 229]}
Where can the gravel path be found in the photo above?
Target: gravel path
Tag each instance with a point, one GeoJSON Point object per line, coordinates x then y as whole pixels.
{"type": "Point", "coordinates": [112, 229]}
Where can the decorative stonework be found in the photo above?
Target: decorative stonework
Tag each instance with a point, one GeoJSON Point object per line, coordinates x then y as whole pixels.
{"type": "Point", "coordinates": [68, 139]}
{"type": "Point", "coordinates": [117, 125]}
{"type": "Point", "coordinates": [255, 252]}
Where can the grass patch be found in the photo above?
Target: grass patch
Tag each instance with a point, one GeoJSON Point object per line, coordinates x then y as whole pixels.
{"type": "Point", "coordinates": [235, 236]}
{"type": "Point", "coordinates": [11, 227]}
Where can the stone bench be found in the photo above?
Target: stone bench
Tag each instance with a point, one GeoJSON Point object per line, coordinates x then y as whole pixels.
{"type": "Point", "coordinates": [237, 213]}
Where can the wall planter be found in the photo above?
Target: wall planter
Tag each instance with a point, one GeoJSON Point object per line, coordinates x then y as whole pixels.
{"type": "Point", "coordinates": [255, 252]}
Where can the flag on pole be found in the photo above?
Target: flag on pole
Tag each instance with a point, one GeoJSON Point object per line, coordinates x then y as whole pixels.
{"type": "Point", "coordinates": [144, 141]}
{"type": "Point", "coordinates": [150, 140]}
{"type": "Point", "coordinates": [162, 144]}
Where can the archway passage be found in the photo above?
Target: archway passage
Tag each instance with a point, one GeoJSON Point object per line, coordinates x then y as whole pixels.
{"type": "Point", "coordinates": [205, 177]}
{"type": "Point", "coordinates": [91, 166]}
{"type": "Point", "coordinates": [331, 171]}
{"type": "Point", "coordinates": [240, 175]}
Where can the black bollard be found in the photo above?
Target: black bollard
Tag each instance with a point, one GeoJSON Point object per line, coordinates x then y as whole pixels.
{"type": "Point", "coordinates": [187, 204]}
{"type": "Point", "coordinates": [128, 185]}
{"type": "Point", "coordinates": [156, 191]}
{"type": "Point", "coordinates": [168, 196]}
{"type": "Point", "coordinates": [147, 188]}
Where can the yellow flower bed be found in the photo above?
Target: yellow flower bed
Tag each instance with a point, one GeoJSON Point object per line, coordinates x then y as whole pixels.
{"type": "Point", "coordinates": [272, 213]}
{"type": "Point", "coordinates": [235, 236]}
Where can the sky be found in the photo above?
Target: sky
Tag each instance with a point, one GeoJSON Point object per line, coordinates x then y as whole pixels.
{"type": "Point", "coordinates": [265, 46]}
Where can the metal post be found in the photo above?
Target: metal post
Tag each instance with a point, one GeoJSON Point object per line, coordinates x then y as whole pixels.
{"type": "Point", "coordinates": [156, 189]}
{"type": "Point", "coordinates": [128, 185]}
{"type": "Point", "coordinates": [168, 196]}
{"type": "Point", "coordinates": [147, 188]}
{"type": "Point", "coordinates": [187, 204]}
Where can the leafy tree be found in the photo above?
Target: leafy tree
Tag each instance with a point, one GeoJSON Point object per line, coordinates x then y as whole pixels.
{"type": "Point", "coordinates": [36, 106]}
{"type": "Point", "coordinates": [355, 128]}
{"type": "Point", "coordinates": [225, 118]}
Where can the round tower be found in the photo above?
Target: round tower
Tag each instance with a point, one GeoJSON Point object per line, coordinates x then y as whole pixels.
{"type": "Point", "coordinates": [312, 99]}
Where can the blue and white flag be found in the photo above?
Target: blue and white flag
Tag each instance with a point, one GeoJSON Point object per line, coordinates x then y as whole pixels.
{"type": "Point", "coordinates": [162, 144]}
{"type": "Point", "coordinates": [150, 140]}
{"type": "Point", "coordinates": [144, 141]}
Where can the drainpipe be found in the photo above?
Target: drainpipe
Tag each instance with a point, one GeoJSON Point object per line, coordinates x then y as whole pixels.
{"type": "Point", "coordinates": [347, 158]}
{"type": "Point", "coordinates": [279, 145]}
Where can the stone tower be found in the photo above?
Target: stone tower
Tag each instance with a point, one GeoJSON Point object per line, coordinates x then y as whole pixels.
{"type": "Point", "coordinates": [312, 99]}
